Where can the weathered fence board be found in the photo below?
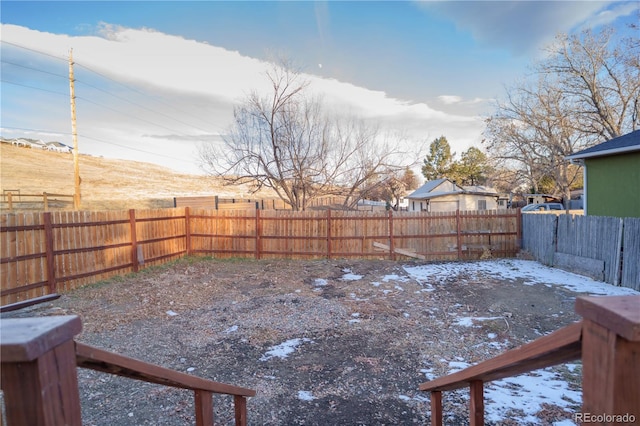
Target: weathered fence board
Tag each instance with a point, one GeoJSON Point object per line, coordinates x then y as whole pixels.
{"type": "Point", "coordinates": [45, 253]}
{"type": "Point", "coordinates": [594, 237]}
{"type": "Point", "coordinates": [613, 243]}
{"type": "Point", "coordinates": [631, 254]}
{"type": "Point", "coordinates": [539, 236]}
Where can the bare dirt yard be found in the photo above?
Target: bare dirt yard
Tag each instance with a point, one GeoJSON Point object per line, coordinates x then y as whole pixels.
{"type": "Point", "coordinates": [326, 342]}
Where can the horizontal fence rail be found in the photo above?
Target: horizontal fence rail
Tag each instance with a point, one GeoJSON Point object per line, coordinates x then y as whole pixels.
{"type": "Point", "coordinates": [15, 200]}
{"type": "Point", "coordinates": [52, 252]}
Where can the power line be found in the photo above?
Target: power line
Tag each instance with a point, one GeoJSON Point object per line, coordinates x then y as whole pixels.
{"type": "Point", "coordinates": [34, 69]}
{"type": "Point", "coordinates": [107, 92]}
{"type": "Point", "coordinates": [33, 87]}
{"type": "Point", "coordinates": [145, 94]}
{"type": "Point", "coordinates": [95, 139]}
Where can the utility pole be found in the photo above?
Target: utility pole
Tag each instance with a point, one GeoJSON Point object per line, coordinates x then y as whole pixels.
{"type": "Point", "coordinates": [74, 133]}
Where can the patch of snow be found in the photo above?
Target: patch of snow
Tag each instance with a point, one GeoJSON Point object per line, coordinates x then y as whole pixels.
{"type": "Point", "coordinates": [171, 313]}
{"type": "Point", "coordinates": [428, 373]}
{"type": "Point", "coordinates": [564, 423]}
{"type": "Point", "coordinates": [395, 277]}
{"type": "Point", "coordinates": [527, 393]}
{"type": "Point", "coordinates": [283, 349]}
{"type": "Point", "coordinates": [492, 335]}
{"type": "Point", "coordinates": [231, 329]}
{"type": "Point", "coordinates": [350, 276]}
{"type": "Point", "coordinates": [470, 321]}
{"type": "Point", "coordinates": [320, 282]}
{"type": "Point", "coordinates": [190, 369]}
{"type": "Point", "coordinates": [457, 366]}
{"type": "Point", "coordinates": [530, 271]}
{"type": "Point", "coordinates": [305, 396]}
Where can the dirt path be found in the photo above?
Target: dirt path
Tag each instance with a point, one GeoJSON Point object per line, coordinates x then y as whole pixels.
{"type": "Point", "coordinates": [322, 342]}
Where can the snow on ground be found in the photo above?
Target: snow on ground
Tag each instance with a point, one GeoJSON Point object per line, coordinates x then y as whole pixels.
{"type": "Point", "coordinates": [284, 349]}
{"type": "Point", "coordinates": [525, 393]}
{"type": "Point", "coordinates": [529, 391]}
{"type": "Point", "coordinates": [511, 269]}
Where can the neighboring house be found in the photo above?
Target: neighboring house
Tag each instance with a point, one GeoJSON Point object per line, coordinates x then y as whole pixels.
{"type": "Point", "coordinates": [443, 195]}
{"type": "Point", "coordinates": [59, 147]}
{"type": "Point", "coordinates": [540, 198]}
{"type": "Point", "coordinates": [612, 176]}
{"type": "Point", "coordinates": [38, 145]}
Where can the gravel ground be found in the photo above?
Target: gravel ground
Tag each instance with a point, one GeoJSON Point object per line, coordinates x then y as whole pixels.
{"type": "Point", "coordinates": [361, 335]}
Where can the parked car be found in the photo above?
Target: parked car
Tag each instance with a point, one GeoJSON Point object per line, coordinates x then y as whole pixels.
{"type": "Point", "coordinates": [542, 207]}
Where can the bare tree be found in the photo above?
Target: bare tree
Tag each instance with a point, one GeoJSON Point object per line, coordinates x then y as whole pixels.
{"type": "Point", "coordinates": [600, 77]}
{"type": "Point", "coordinates": [533, 132]}
{"type": "Point", "coordinates": [286, 142]}
{"type": "Point", "coordinates": [587, 91]}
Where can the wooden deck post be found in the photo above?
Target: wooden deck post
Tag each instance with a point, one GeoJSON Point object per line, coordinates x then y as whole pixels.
{"type": "Point", "coordinates": [39, 377]}
{"type": "Point", "coordinates": [436, 408]}
{"type": "Point", "coordinates": [204, 408]}
{"type": "Point", "coordinates": [240, 408]}
{"type": "Point", "coordinates": [476, 403]}
{"type": "Point", "coordinates": [610, 359]}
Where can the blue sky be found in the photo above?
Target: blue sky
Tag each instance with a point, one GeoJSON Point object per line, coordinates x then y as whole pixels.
{"type": "Point", "coordinates": [155, 79]}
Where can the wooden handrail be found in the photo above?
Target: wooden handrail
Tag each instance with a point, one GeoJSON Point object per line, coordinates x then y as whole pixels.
{"type": "Point", "coordinates": [100, 360]}
{"type": "Point", "coordinates": [108, 362]}
{"type": "Point", "coordinates": [608, 342]}
{"type": "Point", "coordinates": [561, 346]}
{"type": "Point", "coordinates": [40, 355]}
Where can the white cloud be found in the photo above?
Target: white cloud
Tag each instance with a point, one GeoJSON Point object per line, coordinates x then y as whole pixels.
{"type": "Point", "coordinates": [450, 99]}
{"type": "Point", "coordinates": [205, 82]}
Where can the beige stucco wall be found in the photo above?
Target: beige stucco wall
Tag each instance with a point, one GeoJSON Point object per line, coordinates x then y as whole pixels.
{"type": "Point", "coordinates": [453, 203]}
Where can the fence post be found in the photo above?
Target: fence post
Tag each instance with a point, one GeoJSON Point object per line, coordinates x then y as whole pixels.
{"type": "Point", "coordinates": [328, 233]}
{"type": "Point", "coordinates": [134, 240]}
{"type": "Point", "coordinates": [610, 357]}
{"type": "Point", "coordinates": [39, 376]}
{"type": "Point", "coordinates": [45, 201]}
{"type": "Point", "coordinates": [50, 255]}
{"type": "Point", "coordinates": [187, 229]}
{"type": "Point", "coordinates": [458, 236]}
{"type": "Point", "coordinates": [392, 253]}
{"type": "Point", "coordinates": [258, 230]}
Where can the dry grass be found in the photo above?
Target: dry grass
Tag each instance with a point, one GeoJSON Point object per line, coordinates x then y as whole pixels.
{"type": "Point", "coordinates": [106, 184]}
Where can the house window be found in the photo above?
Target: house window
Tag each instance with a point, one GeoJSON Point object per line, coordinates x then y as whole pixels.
{"type": "Point", "coordinates": [482, 204]}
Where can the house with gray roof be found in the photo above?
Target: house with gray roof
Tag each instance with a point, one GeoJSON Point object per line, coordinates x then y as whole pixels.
{"type": "Point", "coordinates": [444, 195]}
{"type": "Point", "coordinates": [611, 176]}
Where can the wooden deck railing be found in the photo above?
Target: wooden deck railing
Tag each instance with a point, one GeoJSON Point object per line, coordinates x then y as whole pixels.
{"type": "Point", "coordinates": [39, 378]}
{"type": "Point", "coordinates": [607, 340]}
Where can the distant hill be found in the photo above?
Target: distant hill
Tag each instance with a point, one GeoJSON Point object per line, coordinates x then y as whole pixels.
{"type": "Point", "coordinates": [106, 184]}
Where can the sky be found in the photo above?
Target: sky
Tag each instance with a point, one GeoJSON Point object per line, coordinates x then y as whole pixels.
{"type": "Point", "coordinates": [154, 80]}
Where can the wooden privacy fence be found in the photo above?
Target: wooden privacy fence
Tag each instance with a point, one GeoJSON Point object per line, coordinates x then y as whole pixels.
{"type": "Point", "coordinates": [605, 248]}
{"type": "Point", "coordinates": [46, 253]}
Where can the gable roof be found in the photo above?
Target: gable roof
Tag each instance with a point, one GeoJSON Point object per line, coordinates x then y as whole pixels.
{"type": "Point", "coordinates": [430, 190]}
{"type": "Point", "coordinates": [625, 143]}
